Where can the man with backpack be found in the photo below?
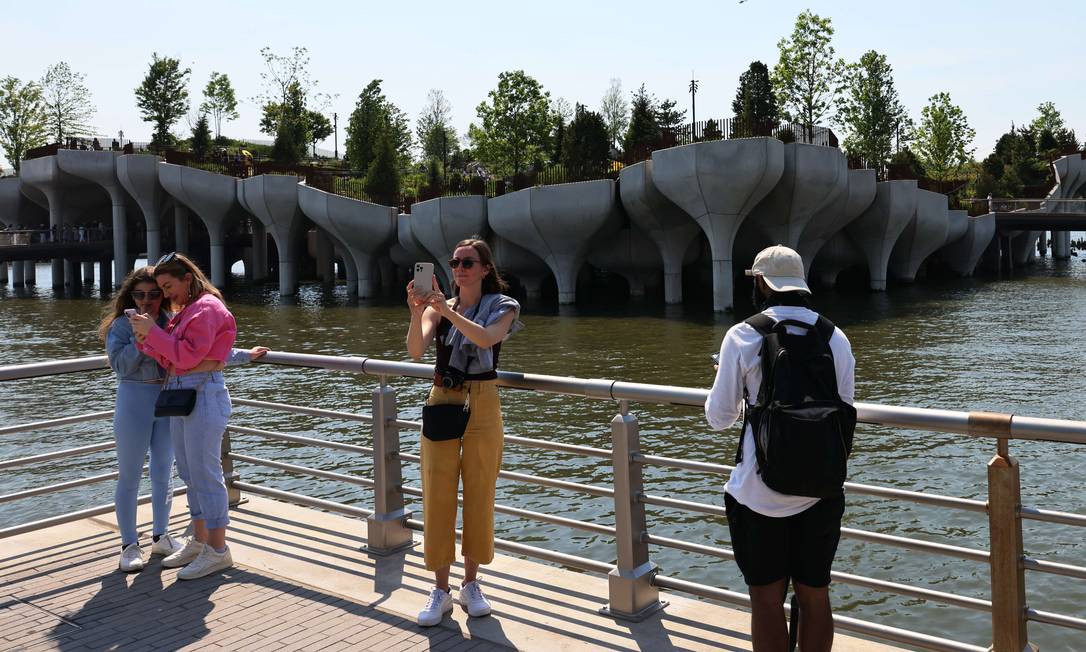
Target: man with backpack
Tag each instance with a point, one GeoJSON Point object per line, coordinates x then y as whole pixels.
{"type": "Point", "coordinates": [790, 373]}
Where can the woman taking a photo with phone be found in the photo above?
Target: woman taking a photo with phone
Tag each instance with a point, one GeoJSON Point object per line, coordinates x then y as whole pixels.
{"type": "Point", "coordinates": [193, 347]}
{"type": "Point", "coordinates": [469, 330]}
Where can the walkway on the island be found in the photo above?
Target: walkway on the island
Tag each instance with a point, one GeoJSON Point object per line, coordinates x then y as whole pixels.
{"type": "Point", "coordinates": [302, 583]}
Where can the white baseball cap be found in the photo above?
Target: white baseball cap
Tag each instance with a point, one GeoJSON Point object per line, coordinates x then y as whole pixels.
{"type": "Point", "coordinates": [782, 269]}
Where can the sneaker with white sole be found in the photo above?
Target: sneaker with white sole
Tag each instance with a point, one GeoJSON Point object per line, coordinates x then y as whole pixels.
{"type": "Point", "coordinates": [186, 555]}
{"type": "Point", "coordinates": [473, 601]}
{"type": "Point", "coordinates": [131, 558]}
{"type": "Point", "coordinates": [439, 603]}
{"type": "Point", "coordinates": [167, 545]}
{"type": "Point", "coordinates": [207, 563]}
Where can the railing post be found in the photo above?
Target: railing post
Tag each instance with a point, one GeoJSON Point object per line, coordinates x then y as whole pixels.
{"type": "Point", "coordinates": [631, 594]}
{"type": "Point", "coordinates": [387, 530]}
{"type": "Point", "coordinates": [1007, 573]}
{"type": "Point", "coordinates": [233, 494]}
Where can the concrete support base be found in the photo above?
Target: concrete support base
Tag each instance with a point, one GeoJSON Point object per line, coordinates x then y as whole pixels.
{"type": "Point", "coordinates": [120, 244]}
{"type": "Point", "coordinates": [260, 252]}
{"type": "Point", "coordinates": [3, 272]}
{"type": "Point", "coordinates": [30, 272]}
{"type": "Point", "coordinates": [105, 273]}
{"type": "Point", "coordinates": [1061, 245]}
{"type": "Point", "coordinates": [17, 278]}
{"type": "Point", "coordinates": [181, 227]}
{"type": "Point", "coordinates": [88, 272]}
{"type": "Point", "coordinates": [58, 272]}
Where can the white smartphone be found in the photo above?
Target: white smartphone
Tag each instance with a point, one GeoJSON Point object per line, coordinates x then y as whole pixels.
{"type": "Point", "coordinates": [424, 277]}
{"type": "Point", "coordinates": [128, 312]}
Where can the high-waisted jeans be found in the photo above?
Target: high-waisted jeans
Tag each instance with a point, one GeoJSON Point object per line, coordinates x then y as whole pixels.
{"type": "Point", "coordinates": [137, 431]}
{"type": "Point", "coordinates": [476, 459]}
{"type": "Point", "coordinates": [197, 443]}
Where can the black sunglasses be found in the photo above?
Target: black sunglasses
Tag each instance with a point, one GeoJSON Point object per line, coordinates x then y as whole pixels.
{"type": "Point", "coordinates": [468, 263]}
{"type": "Point", "coordinates": [140, 295]}
{"type": "Point", "coordinates": [167, 258]}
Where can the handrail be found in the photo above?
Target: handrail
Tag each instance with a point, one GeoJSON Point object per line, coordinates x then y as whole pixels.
{"type": "Point", "coordinates": [56, 423]}
{"type": "Point", "coordinates": [973, 424]}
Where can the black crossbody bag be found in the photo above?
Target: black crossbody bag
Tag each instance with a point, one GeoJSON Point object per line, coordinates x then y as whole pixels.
{"type": "Point", "coordinates": [175, 402]}
{"type": "Point", "coordinates": [445, 422]}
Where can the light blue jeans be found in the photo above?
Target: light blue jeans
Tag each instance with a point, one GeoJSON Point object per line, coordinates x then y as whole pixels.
{"type": "Point", "coordinates": [137, 431]}
{"type": "Point", "coordinates": [197, 444]}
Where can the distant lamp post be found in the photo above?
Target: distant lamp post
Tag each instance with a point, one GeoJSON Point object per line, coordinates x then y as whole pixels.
{"type": "Point", "coordinates": [693, 106]}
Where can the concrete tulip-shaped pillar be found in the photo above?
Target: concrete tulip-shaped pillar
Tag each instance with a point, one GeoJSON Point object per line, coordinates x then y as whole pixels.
{"type": "Point", "coordinates": [924, 234]}
{"type": "Point", "coordinates": [669, 226]}
{"type": "Point", "coordinates": [138, 174]}
{"type": "Point", "coordinates": [812, 177]}
{"type": "Point", "coordinates": [556, 223]}
{"type": "Point", "coordinates": [17, 209]}
{"type": "Point", "coordinates": [718, 184]}
{"type": "Point", "coordinates": [101, 168]}
{"type": "Point", "coordinates": [518, 261]}
{"type": "Point", "coordinates": [46, 176]}
{"type": "Point", "coordinates": [348, 264]}
{"type": "Point", "coordinates": [273, 199]}
{"type": "Point", "coordinates": [212, 197]}
{"type": "Point", "coordinates": [962, 254]}
{"type": "Point", "coordinates": [408, 250]}
{"type": "Point", "coordinates": [631, 253]}
{"type": "Point", "coordinates": [957, 222]}
{"type": "Point", "coordinates": [838, 214]}
{"type": "Point", "coordinates": [438, 224]}
{"type": "Point", "coordinates": [877, 229]}
{"type": "Point", "coordinates": [365, 229]}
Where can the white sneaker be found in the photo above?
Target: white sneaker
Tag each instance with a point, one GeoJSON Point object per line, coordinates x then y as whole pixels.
{"type": "Point", "coordinates": [131, 558]}
{"type": "Point", "coordinates": [473, 600]}
{"type": "Point", "coordinates": [207, 563]}
{"type": "Point", "coordinates": [167, 545]}
{"type": "Point", "coordinates": [186, 555]}
{"type": "Point", "coordinates": [439, 604]}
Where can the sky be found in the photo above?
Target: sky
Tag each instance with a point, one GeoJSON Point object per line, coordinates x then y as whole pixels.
{"type": "Point", "coordinates": [998, 60]}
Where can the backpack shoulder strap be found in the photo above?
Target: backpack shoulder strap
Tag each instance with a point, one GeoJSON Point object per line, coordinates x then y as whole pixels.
{"type": "Point", "coordinates": [825, 329]}
{"type": "Point", "coordinates": [762, 323]}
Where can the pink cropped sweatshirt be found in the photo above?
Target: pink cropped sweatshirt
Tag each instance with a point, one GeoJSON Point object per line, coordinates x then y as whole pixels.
{"type": "Point", "coordinates": [203, 330]}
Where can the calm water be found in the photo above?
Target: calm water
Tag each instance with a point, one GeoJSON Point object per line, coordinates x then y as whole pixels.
{"type": "Point", "coordinates": [1010, 345]}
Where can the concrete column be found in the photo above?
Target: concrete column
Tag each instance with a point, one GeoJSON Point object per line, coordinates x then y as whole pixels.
{"type": "Point", "coordinates": [1042, 244]}
{"type": "Point", "coordinates": [105, 272]}
{"type": "Point", "coordinates": [88, 272]}
{"type": "Point", "coordinates": [1061, 245]}
{"type": "Point", "coordinates": [30, 272]}
{"type": "Point", "coordinates": [325, 266]}
{"type": "Point", "coordinates": [120, 242]}
{"type": "Point", "coordinates": [352, 271]}
{"type": "Point", "coordinates": [17, 278]}
{"type": "Point", "coordinates": [218, 255]}
{"type": "Point", "coordinates": [154, 242]}
{"type": "Point", "coordinates": [260, 252]}
{"type": "Point", "coordinates": [3, 272]}
{"type": "Point", "coordinates": [181, 227]}
{"type": "Point", "coordinates": [388, 274]}
{"type": "Point", "coordinates": [71, 275]}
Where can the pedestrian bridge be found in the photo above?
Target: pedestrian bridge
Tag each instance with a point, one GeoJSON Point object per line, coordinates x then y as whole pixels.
{"type": "Point", "coordinates": [322, 574]}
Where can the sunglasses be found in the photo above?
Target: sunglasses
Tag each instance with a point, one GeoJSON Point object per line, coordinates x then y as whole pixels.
{"type": "Point", "coordinates": [167, 258]}
{"type": "Point", "coordinates": [140, 295]}
{"type": "Point", "coordinates": [468, 263]}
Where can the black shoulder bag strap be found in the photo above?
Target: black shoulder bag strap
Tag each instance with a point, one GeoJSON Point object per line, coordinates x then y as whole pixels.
{"type": "Point", "coordinates": [764, 325]}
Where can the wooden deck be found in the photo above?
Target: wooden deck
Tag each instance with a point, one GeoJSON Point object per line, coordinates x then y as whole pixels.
{"type": "Point", "coordinates": [301, 582]}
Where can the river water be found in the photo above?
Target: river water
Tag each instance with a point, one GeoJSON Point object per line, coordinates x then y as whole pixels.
{"type": "Point", "coordinates": [1011, 344]}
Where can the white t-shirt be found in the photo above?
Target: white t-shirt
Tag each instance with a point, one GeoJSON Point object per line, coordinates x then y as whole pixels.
{"type": "Point", "coordinates": [740, 367]}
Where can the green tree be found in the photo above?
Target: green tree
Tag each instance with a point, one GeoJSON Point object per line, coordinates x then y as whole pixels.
{"type": "Point", "coordinates": [942, 140]}
{"type": "Point", "coordinates": [383, 176]}
{"type": "Point", "coordinates": [163, 98]}
{"type": "Point", "coordinates": [755, 104]}
{"type": "Point", "coordinates": [643, 132]}
{"type": "Point", "coordinates": [515, 124]}
{"type": "Point", "coordinates": [292, 128]}
{"type": "Point", "coordinates": [318, 127]}
{"type": "Point", "coordinates": [373, 116]}
{"type": "Point", "coordinates": [434, 182]}
{"type": "Point", "coordinates": [23, 122]}
{"type": "Point", "coordinates": [870, 111]}
{"type": "Point", "coordinates": [562, 114]}
{"type": "Point", "coordinates": [615, 111]}
{"type": "Point", "coordinates": [201, 138]}
{"type": "Point", "coordinates": [67, 102]}
{"type": "Point", "coordinates": [667, 117]}
{"type": "Point", "coordinates": [586, 146]}
{"type": "Point", "coordinates": [1050, 132]}
{"type": "Point", "coordinates": [220, 102]}
{"type": "Point", "coordinates": [436, 136]}
{"type": "Point", "coordinates": [711, 131]}
{"type": "Point", "coordinates": [807, 73]}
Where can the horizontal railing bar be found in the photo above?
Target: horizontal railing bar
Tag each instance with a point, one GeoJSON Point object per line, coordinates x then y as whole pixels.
{"type": "Point", "coordinates": [299, 439]}
{"type": "Point", "coordinates": [530, 515]}
{"type": "Point", "coordinates": [689, 465]}
{"type": "Point", "coordinates": [558, 446]}
{"type": "Point", "coordinates": [62, 486]}
{"type": "Point", "coordinates": [299, 499]}
{"type": "Point", "coordinates": [685, 505]}
{"type": "Point", "coordinates": [301, 409]}
{"type": "Point", "coordinates": [845, 578]}
{"type": "Point", "coordinates": [1055, 619]}
{"type": "Point", "coordinates": [54, 423]}
{"type": "Point", "coordinates": [403, 423]}
{"type": "Point", "coordinates": [1051, 567]}
{"type": "Point", "coordinates": [562, 558]}
{"type": "Point", "coordinates": [535, 479]}
{"type": "Point", "coordinates": [302, 470]}
{"type": "Point", "coordinates": [73, 516]}
{"type": "Point", "coordinates": [70, 452]}
{"type": "Point", "coordinates": [948, 421]}
{"type": "Point", "coordinates": [879, 631]}
{"type": "Point", "coordinates": [1049, 516]}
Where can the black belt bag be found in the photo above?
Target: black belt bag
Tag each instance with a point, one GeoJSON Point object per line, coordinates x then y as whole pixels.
{"type": "Point", "coordinates": [445, 422]}
{"type": "Point", "coordinates": [174, 402]}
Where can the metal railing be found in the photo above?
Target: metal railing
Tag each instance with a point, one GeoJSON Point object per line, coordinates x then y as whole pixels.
{"type": "Point", "coordinates": [634, 581]}
{"type": "Point", "coordinates": [1011, 205]}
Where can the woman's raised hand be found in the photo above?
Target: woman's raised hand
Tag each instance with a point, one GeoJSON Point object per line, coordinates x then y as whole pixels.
{"type": "Point", "coordinates": [141, 325]}
{"type": "Point", "coordinates": [416, 300]}
{"type": "Point", "coordinates": [257, 352]}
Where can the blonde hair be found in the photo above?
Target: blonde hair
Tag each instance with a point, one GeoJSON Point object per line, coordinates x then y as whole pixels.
{"type": "Point", "coordinates": [178, 266]}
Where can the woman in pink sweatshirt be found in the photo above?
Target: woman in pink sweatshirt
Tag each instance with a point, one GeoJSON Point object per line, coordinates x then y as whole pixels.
{"type": "Point", "coordinates": [194, 347]}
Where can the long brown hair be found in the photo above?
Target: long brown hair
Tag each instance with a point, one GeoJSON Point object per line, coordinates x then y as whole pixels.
{"type": "Point", "coordinates": [122, 298]}
{"type": "Point", "coordinates": [178, 266]}
{"type": "Point", "coordinates": [493, 283]}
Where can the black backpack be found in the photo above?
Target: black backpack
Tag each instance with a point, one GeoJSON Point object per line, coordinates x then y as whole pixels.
{"type": "Point", "coordinates": [802, 429]}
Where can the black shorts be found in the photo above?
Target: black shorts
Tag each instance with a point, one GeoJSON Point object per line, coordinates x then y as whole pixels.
{"type": "Point", "coordinates": [800, 547]}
